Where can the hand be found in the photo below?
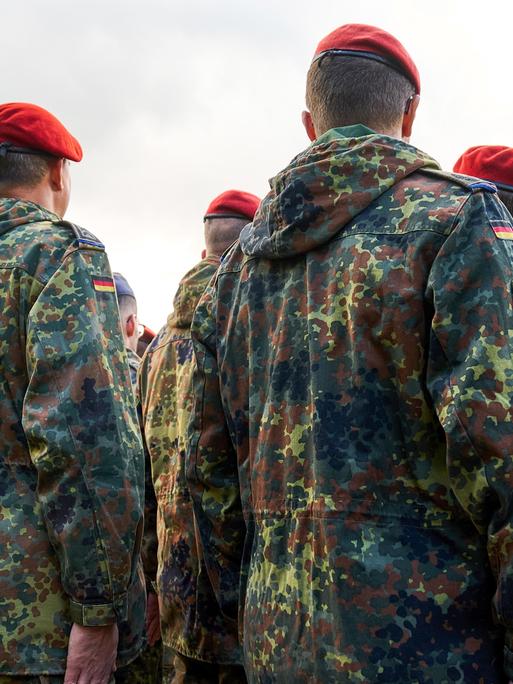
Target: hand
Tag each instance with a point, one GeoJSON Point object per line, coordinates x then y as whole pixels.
{"type": "Point", "coordinates": [152, 619]}
{"type": "Point", "coordinates": [91, 654]}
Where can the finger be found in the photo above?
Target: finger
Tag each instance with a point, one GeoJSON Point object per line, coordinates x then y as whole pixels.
{"type": "Point", "coordinates": [72, 675]}
{"type": "Point", "coordinates": [96, 676]}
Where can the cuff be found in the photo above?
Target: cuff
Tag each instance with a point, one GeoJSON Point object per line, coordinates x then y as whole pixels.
{"type": "Point", "coordinates": [99, 614]}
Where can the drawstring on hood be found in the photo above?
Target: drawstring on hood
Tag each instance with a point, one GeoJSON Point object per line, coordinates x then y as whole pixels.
{"type": "Point", "coordinates": [327, 186]}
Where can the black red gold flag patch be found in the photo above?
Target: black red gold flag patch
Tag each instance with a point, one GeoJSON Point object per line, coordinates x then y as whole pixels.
{"type": "Point", "coordinates": [103, 284]}
{"type": "Point", "coordinates": [503, 232]}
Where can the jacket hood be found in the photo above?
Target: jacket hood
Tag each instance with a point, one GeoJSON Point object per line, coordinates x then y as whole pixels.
{"type": "Point", "coordinates": [14, 212]}
{"type": "Point", "coordinates": [327, 186]}
{"type": "Point", "coordinates": [189, 291]}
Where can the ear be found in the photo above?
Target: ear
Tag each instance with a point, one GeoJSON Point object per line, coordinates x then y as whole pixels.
{"type": "Point", "coordinates": [56, 174]}
{"type": "Point", "coordinates": [409, 116]}
{"type": "Point", "coordinates": [131, 325]}
{"type": "Point", "coordinates": [306, 118]}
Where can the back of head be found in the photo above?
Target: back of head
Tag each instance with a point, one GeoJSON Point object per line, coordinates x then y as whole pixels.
{"type": "Point", "coordinates": [22, 170]}
{"type": "Point", "coordinates": [127, 311]}
{"type": "Point", "coordinates": [360, 75]}
{"type": "Point", "coordinates": [225, 217]}
{"type": "Point", "coordinates": [33, 145]}
{"type": "Point", "coordinates": [493, 163]}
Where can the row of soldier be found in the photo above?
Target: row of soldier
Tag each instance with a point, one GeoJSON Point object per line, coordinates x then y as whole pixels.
{"type": "Point", "coordinates": [322, 433]}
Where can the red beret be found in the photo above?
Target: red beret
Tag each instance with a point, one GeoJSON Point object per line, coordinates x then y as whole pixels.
{"type": "Point", "coordinates": [370, 42]}
{"type": "Point", "coordinates": [31, 129]}
{"type": "Point", "coordinates": [233, 204]}
{"type": "Point", "coordinates": [490, 162]}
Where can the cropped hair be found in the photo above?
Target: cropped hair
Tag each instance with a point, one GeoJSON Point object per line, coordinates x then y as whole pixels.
{"type": "Point", "coordinates": [220, 233]}
{"type": "Point", "coordinates": [346, 90]}
{"type": "Point", "coordinates": [25, 170]}
{"type": "Point", "coordinates": [127, 305]}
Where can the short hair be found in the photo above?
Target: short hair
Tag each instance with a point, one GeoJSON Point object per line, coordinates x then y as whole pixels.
{"type": "Point", "coordinates": [345, 90]}
{"type": "Point", "coordinates": [127, 305]}
{"type": "Point", "coordinates": [506, 198]}
{"type": "Point", "coordinates": [25, 170]}
{"type": "Point", "coordinates": [220, 233]}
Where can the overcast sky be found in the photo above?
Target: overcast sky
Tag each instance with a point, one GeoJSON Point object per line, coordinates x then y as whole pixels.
{"type": "Point", "coordinates": [175, 101]}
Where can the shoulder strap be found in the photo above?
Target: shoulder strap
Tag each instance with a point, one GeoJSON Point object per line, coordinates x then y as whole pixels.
{"type": "Point", "coordinates": [86, 239]}
{"type": "Point", "coordinates": [468, 182]}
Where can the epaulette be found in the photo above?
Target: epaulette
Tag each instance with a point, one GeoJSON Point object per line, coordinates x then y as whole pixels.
{"type": "Point", "coordinates": [468, 182]}
{"type": "Point", "coordinates": [86, 240]}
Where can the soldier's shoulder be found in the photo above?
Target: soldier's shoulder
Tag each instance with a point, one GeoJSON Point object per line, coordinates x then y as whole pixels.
{"type": "Point", "coordinates": [198, 276]}
{"type": "Point", "coordinates": [189, 292]}
{"type": "Point", "coordinates": [39, 248]}
{"type": "Point", "coordinates": [80, 237]}
{"type": "Point", "coordinates": [160, 339]}
{"type": "Point", "coordinates": [458, 183]}
{"type": "Point", "coordinates": [435, 200]}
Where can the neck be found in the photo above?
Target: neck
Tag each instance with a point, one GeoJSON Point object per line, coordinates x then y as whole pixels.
{"type": "Point", "coordinates": [215, 253]}
{"type": "Point", "coordinates": [38, 195]}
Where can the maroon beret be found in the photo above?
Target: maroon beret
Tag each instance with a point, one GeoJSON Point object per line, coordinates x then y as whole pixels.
{"type": "Point", "coordinates": [369, 42]}
{"type": "Point", "coordinates": [31, 129]}
{"type": "Point", "coordinates": [233, 204]}
{"type": "Point", "coordinates": [490, 162]}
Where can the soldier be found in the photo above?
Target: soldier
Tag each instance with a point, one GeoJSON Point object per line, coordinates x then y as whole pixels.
{"type": "Point", "coordinates": [146, 668]}
{"type": "Point", "coordinates": [494, 163]}
{"type": "Point", "coordinates": [129, 324]}
{"type": "Point", "coordinates": [351, 443]}
{"type": "Point", "coordinates": [200, 645]}
{"type": "Point", "coordinates": [71, 467]}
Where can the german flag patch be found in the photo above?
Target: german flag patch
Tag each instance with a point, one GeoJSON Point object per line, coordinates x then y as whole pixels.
{"type": "Point", "coordinates": [103, 284]}
{"type": "Point", "coordinates": [502, 229]}
{"type": "Point", "coordinates": [503, 232]}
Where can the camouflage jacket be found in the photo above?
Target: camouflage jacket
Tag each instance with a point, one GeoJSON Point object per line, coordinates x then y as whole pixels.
{"type": "Point", "coordinates": [352, 433]}
{"type": "Point", "coordinates": [191, 622]}
{"type": "Point", "coordinates": [134, 361]}
{"type": "Point", "coordinates": [71, 470]}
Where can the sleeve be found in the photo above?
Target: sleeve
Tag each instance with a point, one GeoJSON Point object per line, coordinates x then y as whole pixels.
{"type": "Point", "coordinates": [470, 378]}
{"type": "Point", "coordinates": [80, 423]}
{"type": "Point", "coordinates": [211, 464]}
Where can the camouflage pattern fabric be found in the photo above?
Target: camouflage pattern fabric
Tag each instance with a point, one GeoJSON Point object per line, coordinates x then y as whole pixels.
{"type": "Point", "coordinates": [149, 541]}
{"type": "Point", "coordinates": [352, 436]}
{"type": "Point", "coordinates": [191, 622]}
{"type": "Point", "coordinates": [134, 362]}
{"type": "Point", "coordinates": [147, 667]}
{"type": "Point", "coordinates": [71, 465]}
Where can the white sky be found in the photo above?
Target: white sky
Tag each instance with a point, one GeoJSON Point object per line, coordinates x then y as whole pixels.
{"type": "Point", "coordinates": [175, 101]}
